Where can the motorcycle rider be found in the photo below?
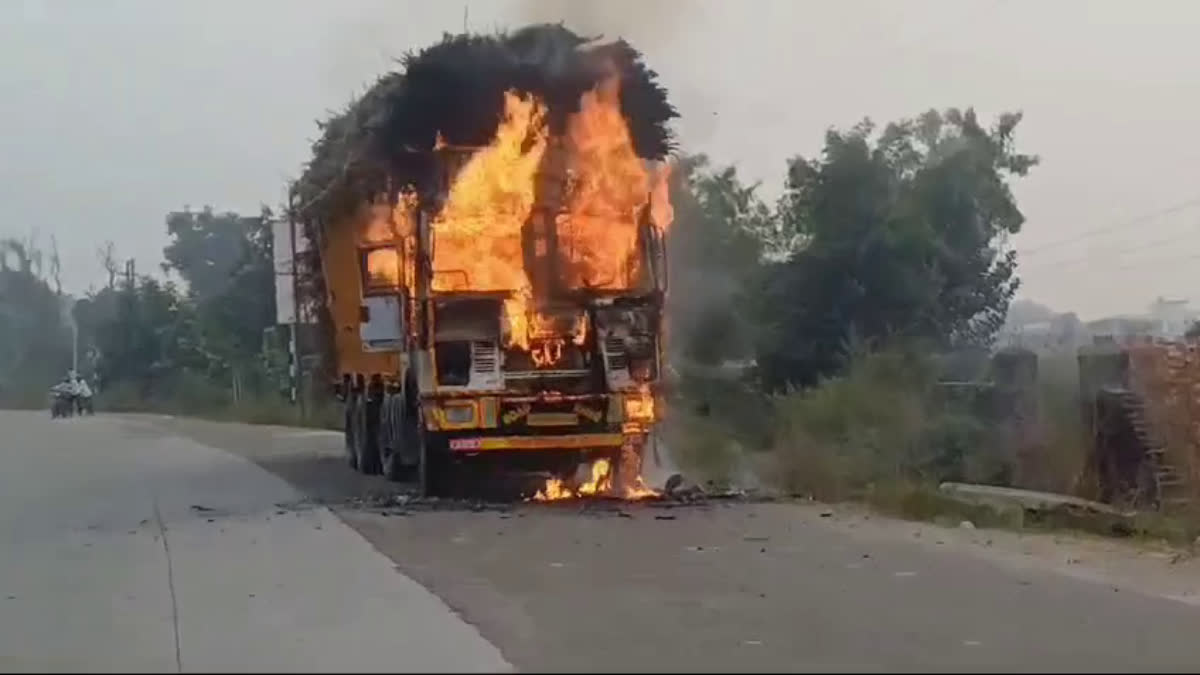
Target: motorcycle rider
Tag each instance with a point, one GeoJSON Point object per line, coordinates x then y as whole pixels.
{"type": "Point", "coordinates": [82, 393]}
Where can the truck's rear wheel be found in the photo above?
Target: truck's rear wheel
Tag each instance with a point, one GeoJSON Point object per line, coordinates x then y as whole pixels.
{"type": "Point", "coordinates": [349, 422]}
{"type": "Point", "coordinates": [436, 465]}
{"type": "Point", "coordinates": [366, 435]}
{"type": "Point", "coordinates": [391, 435]}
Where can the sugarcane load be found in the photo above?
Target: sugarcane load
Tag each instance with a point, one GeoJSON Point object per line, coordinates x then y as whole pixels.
{"type": "Point", "coordinates": [489, 271]}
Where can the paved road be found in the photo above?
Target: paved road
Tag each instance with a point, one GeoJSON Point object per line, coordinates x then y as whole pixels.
{"type": "Point", "coordinates": [742, 587]}
{"type": "Point", "coordinates": [126, 548]}
{"type": "Point", "coordinates": [770, 587]}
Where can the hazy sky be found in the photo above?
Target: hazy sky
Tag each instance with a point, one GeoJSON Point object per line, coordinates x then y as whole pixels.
{"type": "Point", "coordinates": [113, 112]}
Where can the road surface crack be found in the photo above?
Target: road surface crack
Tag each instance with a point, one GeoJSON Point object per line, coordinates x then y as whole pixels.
{"type": "Point", "coordinates": [162, 531]}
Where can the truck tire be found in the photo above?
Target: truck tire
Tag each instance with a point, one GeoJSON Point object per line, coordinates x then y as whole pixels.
{"type": "Point", "coordinates": [349, 421]}
{"type": "Point", "coordinates": [391, 436]}
{"type": "Point", "coordinates": [367, 436]}
{"type": "Point", "coordinates": [436, 466]}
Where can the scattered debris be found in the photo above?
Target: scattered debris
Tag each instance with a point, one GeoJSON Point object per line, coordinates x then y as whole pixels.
{"type": "Point", "coordinates": [673, 484]}
{"type": "Point", "coordinates": [756, 538]}
{"type": "Point", "coordinates": [664, 517]}
{"type": "Point", "coordinates": [827, 514]}
{"type": "Point", "coordinates": [201, 509]}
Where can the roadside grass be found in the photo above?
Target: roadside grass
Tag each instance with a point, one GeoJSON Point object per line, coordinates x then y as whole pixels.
{"type": "Point", "coordinates": [199, 398]}
{"type": "Point", "coordinates": [926, 503]}
{"type": "Point", "coordinates": [884, 435]}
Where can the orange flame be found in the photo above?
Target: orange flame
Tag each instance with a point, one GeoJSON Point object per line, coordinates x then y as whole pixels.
{"type": "Point", "coordinates": [547, 352]}
{"type": "Point", "coordinates": [600, 483]}
{"type": "Point", "coordinates": [478, 233]}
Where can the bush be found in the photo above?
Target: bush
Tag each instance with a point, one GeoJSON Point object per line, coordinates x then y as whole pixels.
{"type": "Point", "coordinates": [852, 430]}
{"type": "Point", "coordinates": [186, 393]}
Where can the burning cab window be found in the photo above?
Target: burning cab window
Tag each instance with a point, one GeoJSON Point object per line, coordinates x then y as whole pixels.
{"type": "Point", "coordinates": [381, 268]}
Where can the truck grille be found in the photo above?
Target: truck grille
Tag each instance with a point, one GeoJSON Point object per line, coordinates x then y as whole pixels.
{"type": "Point", "coordinates": [614, 353]}
{"type": "Point", "coordinates": [484, 357]}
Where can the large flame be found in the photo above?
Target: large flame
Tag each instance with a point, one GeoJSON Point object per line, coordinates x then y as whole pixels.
{"type": "Point", "coordinates": [478, 232]}
{"type": "Point", "coordinates": [610, 186]}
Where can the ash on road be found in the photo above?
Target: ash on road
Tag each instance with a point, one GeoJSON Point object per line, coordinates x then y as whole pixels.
{"type": "Point", "coordinates": [744, 587]}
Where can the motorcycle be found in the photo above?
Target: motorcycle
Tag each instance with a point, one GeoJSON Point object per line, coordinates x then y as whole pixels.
{"type": "Point", "coordinates": [62, 404]}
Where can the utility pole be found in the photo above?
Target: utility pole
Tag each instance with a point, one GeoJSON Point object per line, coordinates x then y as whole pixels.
{"type": "Point", "coordinates": [297, 370]}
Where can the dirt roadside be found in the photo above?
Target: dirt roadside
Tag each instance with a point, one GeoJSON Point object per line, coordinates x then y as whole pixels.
{"type": "Point", "coordinates": [753, 586]}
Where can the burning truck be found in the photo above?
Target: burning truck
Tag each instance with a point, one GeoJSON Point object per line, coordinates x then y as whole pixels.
{"type": "Point", "coordinates": [490, 268]}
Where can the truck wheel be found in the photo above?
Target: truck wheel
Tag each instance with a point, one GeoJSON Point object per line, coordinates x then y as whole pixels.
{"type": "Point", "coordinates": [349, 421]}
{"type": "Point", "coordinates": [390, 438]}
{"type": "Point", "coordinates": [436, 466]}
{"type": "Point", "coordinates": [367, 436]}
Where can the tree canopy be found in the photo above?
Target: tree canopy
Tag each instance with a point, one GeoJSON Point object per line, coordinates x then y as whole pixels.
{"type": "Point", "coordinates": [899, 234]}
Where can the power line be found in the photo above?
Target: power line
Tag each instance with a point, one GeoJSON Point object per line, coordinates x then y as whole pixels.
{"type": "Point", "coordinates": [1068, 262]}
{"type": "Point", "coordinates": [1137, 265]}
{"type": "Point", "coordinates": [1182, 206]}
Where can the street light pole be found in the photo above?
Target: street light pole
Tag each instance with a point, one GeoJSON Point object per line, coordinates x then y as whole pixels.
{"type": "Point", "coordinates": [298, 381]}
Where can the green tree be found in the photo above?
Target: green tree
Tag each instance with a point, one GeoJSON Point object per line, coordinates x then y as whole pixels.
{"type": "Point", "coordinates": [227, 261]}
{"type": "Point", "coordinates": [899, 235]}
{"type": "Point", "coordinates": [35, 343]}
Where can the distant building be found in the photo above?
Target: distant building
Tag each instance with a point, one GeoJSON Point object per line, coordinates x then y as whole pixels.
{"type": "Point", "coordinates": [1164, 320]}
{"type": "Point", "coordinates": [1062, 332]}
{"type": "Point", "coordinates": [1171, 318]}
{"type": "Point", "coordinates": [1121, 329]}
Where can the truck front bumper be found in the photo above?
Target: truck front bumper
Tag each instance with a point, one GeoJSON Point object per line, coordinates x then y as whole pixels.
{"type": "Point", "coordinates": [539, 442]}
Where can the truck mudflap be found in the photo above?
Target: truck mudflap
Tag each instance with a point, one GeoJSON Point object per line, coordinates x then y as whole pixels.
{"type": "Point", "coordinates": [562, 442]}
